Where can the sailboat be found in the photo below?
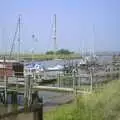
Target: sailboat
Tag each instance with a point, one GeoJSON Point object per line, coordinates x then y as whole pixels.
{"type": "Point", "coordinates": [55, 38]}
{"type": "Point", "coordinates": [10, 67]}
{"type": "Point", "coordinates": [92, 58]}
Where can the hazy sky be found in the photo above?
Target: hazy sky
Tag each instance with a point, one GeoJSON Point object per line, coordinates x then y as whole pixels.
{"type": "Point", "coordinates": [75, 20]}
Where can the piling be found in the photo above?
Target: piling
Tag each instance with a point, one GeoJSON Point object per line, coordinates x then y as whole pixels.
{"type": "Point", "coordinates": [59, 80]}
{"type": "Point", "coordinates": [79, 81]}
{"type": "Point", "coordinates": [38, 112]}
{"type": "Point", "coordinates": [14, 104]}
{"type": "Point", "coordinates": [5, 89]}
{"type": "Point", "coordinates": [28, 92]}
{"type": "Point", "coordinates": [91, 80]}
{"type": "Point", "coordinates": [73, 76]}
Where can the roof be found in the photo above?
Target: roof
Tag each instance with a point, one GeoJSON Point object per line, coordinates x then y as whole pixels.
{"type": "Point", "coordinates": [10, 61]}
{"type": "Point", "coordinates": [2, 66]}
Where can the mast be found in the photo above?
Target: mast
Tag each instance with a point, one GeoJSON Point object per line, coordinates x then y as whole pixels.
{"type": "Point", "coordinates": [33, 38]}
{"type": "Point", "coordinates": [54, 35]}
{"type": "Point", "coordinates": [17, 32]}
{"type": "Point", "coordinates": [83, 49]}
{"type": "Point", "coordinates": [93, 39]}
{"type": "Point", "coordinates": [19, 38]}
{"type": "Point", "coordinates": [3, 41]}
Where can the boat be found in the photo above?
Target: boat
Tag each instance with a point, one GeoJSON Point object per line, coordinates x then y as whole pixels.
{"type": "Point", "coordinates": [32, 68]}
{"type": "Point", "coordinates": [55, 68]}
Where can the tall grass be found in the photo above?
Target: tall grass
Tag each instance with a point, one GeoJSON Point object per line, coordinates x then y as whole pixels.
{"type": "Point", "coordinates": [104, 105]}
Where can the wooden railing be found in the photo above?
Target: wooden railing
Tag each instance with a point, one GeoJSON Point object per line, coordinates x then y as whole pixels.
{"type": "Point", "coordinates": [35, 109]}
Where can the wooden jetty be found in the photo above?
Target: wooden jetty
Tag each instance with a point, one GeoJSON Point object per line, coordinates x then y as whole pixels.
{"type": "Point", "coordinates": [36, 109]}
{"type": "Point", "coordinates": [32, 102]}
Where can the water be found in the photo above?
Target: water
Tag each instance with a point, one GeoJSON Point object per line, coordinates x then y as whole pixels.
{"type": "Point", "coordinates": [52, 63]}
{"type": "Point", "coordinates": [105, 59]}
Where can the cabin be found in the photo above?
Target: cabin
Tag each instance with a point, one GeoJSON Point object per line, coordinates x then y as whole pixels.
{"type": "Point", "coordinates": [11, 68]}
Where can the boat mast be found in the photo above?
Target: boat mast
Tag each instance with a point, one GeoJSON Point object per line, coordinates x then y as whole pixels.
{"type": "Point", "coordinates": [93, 39]}
{"type": "Point", "coordinates": [83, 49]}
{"type": "Point", "coordinates": [33, 38]}
{"type": "Point", "coordinates": [19, 30]}
{"type": "Point", "coordinates": [54, 36]}
{"type": "Point", "coordinates": [3, 39]}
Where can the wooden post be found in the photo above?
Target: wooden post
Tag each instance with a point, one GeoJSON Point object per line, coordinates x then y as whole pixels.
{"type": "Point", "coordinates": [73, 80]}
{"type": "Point", "coordinates": [91, 78]}
{"type": "Point", "coordinates": [16, 83]}
{"type": "Point", "coordinates": [14, 98]}
{"type": "Point", "coordinates": [38, 112]}
{"type": "Point", "coordinates": [79, 81]}
{"type": "Point", "coordinates": [96, 82]}
{"type": "Point", "coordinates": [74, 86]}
{"type": "Point", "coordinates": [14, 104]}
{"type": "Point", "coordinates": [5, 90]}
{"type": "Point", "coordinates": [34, 77]}
{"type": "Point", "coordinates": [26, 95]}
{"type": "Point", "coordinates": [28, 92]}
{"type": "Point", "coordinates": [5, 81]}
{"type": "Point", "coordinates": [58, 79]}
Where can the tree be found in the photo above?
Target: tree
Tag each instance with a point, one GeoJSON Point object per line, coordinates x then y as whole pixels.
{"type": "Point", "coordinates": [61, 51]}
{"type": "Point", "coordinates": [64, 51]}
{"type": "Point", "coordinates": [49, 52]}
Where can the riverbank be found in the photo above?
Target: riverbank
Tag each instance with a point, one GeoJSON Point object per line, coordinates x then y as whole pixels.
{"type": "Point", "coordinates": [102, 105]}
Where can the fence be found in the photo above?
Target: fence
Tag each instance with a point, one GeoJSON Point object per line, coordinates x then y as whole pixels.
{"type": "Point", "coordinates": [35, 109]}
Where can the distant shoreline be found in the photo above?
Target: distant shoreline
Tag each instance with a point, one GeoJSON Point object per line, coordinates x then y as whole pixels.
{"type": "Point", "coordinates": [41, 57]}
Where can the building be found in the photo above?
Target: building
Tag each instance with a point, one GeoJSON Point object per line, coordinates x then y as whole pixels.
{"type": "Point", "coordinates": [11, 68]}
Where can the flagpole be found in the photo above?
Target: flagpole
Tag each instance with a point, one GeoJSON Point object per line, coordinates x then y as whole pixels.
{"type": "Point", "coordinates": [33, 51]}
{"type": "Point", "coordinates": [33, 37]}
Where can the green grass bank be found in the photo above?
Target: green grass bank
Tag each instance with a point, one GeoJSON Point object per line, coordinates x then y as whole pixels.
{"type": "Point", "coordinates": [104, 105]}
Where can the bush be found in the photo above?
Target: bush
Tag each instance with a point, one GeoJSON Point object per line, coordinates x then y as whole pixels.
{"type": "Point", "coordinates": [64, 51]}
{"type": "Point", "coordinates": [49, 52]}
{"type": "Point", "coordinates": [97, 106]}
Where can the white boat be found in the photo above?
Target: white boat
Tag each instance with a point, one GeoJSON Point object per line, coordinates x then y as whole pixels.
{"type": "Point", "coordinates": [55, 68]}
{"type": "Point", "coordinates": [33, 68]}
{"type": "Point", "coordinates": [88, 60]}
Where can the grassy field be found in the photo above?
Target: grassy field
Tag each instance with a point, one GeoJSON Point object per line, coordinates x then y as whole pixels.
{"type": "Point", "coordinates": [104, 105]}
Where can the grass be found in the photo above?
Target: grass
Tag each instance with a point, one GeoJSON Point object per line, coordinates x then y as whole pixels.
{"type": "Point", "coordinates": [104, 105]}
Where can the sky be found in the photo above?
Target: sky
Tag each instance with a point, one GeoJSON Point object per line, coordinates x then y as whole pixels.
{"type": "Point", "coordinates": [81, 24]}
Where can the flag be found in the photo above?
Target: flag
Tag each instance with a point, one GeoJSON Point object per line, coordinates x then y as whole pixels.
{"type": "Point", "coordinates": [34, 38]}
